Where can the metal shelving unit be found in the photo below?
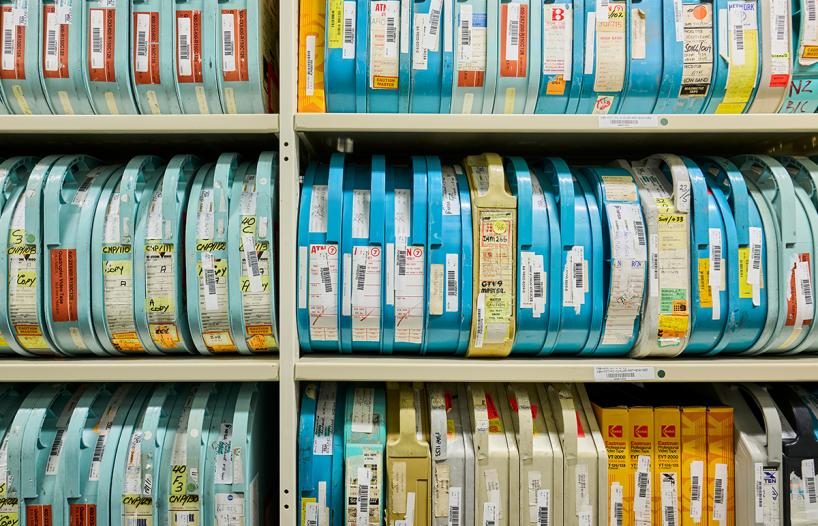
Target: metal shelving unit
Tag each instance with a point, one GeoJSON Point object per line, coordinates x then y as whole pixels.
{"type": "Point", "coordinates": [401, 369]}
{"type": "Point", "coordinates": [142, 369]}
{"type": "Point", "coordinates": [579, 137]}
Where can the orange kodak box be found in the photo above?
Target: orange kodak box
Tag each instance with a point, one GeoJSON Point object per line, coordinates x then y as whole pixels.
{"type": "Point", "coordinates": [721, 507]}
{"type": "Point", "coordinates": [613, 423]}
{"type": "Point", "coordinates": [667, 478]}
{"type": "Point", "coordinates": [311, 55]}
{"type": "Point", "coordinates": [643, 458]}
{"type": "Point", "coordinates": [694, 462]}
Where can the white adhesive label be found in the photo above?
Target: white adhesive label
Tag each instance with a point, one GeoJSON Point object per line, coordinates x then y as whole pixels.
{"type": "Point", "coordinates": [363, 410]}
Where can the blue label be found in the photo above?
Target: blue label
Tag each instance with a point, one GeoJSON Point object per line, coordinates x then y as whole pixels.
{"type": "Point", "coordinates": [478, 20]}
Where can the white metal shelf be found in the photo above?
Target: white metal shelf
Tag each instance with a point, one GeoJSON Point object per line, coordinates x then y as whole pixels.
{"type": "Point", "coordinates": [432, 369]}
{"type": "Point", "coordinates": [526, 124]}
{"type": "Point", "coordinates": [109, 136]}
{"type": "Point", "coordinates": [580, 136]}
{"type": "Point", "coordinates": [142, 369]}
{"type": "Point", "coordinates": [139, 124]}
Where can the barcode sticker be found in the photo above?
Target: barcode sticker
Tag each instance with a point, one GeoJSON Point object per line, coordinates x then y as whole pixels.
{"type": "Point", "coordinates": [754, 265]}
{"type": "Point", "coordinates": [808, 474]}
{"type": "Point", "coordinates": [9, 41]}
{"type": "Point", "coordinates": [512, 31]}
{"type": "Point", "coordinates": [54, 454]}
{"type": "Point", "coordinates": [432, 35]}
{"type": "Point", "coordinates": [452, 281]}
{"type": "Point", "coordinates": [696, 481]}
{"type": "Point", "coordinates": [184, 40]}
{"type": "Point", "coordinates": [52, 61]}
{"type": "Point", "coordinates": [543, 507]}
{"type": "Point", "coordinates": [324, 425]}
{"type": "Point", "coordinates": [228, 42]}
{"type": "Point", "coordinates": [465, 40]}
{"type": "Point", "coordinates": [143, 33]}
{"type": "Point", "coordinates": [348, 46]}
{"type": "Point", "coordinates": [736, 22]}
{"type": "Point", "coordinates": [489, 514]}
{"type": "Point", "coordinates": [480, 329]}
{"type": "Point", "coordinates": [717, 276]}
{"type": "Point", "coordinates": [311, 514]}
{"type": "Point", "coordinates": [97, 44]}
{"type": "Point", "coordinates": [624, 373]}
{"type": "Point", "coordinates": [720, 493]}
{"type": "Point", "coordinates": [804, 298]}
{"type": "Point", "coordinates": [364, 478]}
{"type": "Point", "coordinates": [248, 245]}
{"type": "Point", "coordinates": [209, 281]}
{"type": "Point", "coordinates": [455, 506]}
{"type": "Point", "coordinates": [617, 505]}
{"type": "Point", "coordinates": [669, 498]}
{"type": "Point", "coordinates": [758, 486]}
{"type": "Point", "coordinates": [642, 490]}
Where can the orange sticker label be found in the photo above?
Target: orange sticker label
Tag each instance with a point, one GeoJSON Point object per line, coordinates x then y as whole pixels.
{"type": "Point", "coordinates": [38, 515]}
{"type": "Point", "coordinates": [64, 284]}
{"type": "Point", "coordinates": [83, 515]}
{"type": "Point", "coordinates": [514, 40]}
{"type": "Point", "coordinates": [13, 47]}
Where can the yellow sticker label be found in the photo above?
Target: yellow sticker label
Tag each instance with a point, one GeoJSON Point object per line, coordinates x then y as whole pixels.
{"type": "Point", "coordinates": [741, 77]}
{"type": "Point", "coordinates": [118, 267]}
{"type": "Point", "coordinates": [705, 297]}
{"type": "Point", "coordinates": [304, 502]}
{"type": "Point", "coordinates": [218, 341]}
{"type": "Point", "coordinates": [26, 278]}
{"type": "Point", "coordinates": [745, 290]}
{"type": "Point", "coordinates": [260, 337]}
{"type": "Point", "coordinates": [335, 24]}
{"type": "Point", "coordinates": [379, 82]}
{"type": "Point", "coordinates": [164, 334]}
{"type": "Point", "coordinates": [496, 274]}
{"type": "Point", "coordinates": [556, 86]}
{"type": "Point", "coordinates": [671, 326]}
{"type": "Point", "coordinates": [245, 284]}
{"type": "Point", "coordinates": [809, 52]}
{"type": "Point", "coordinates": [126, 341]}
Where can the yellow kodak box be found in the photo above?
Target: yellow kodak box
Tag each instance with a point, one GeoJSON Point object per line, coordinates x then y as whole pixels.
{"type": "Point", "coordinates": [667, 478]}
{"type": "Point", "coordinates": [311, 52]}
{"type": "Point", "coordinates": [720, 467]}
{"type": "Point", "coordinates": [643, 457]}
{"type": "Point", "coordinates": [694, 460]}
{"type": "Point", "coordinates": [613, 423]}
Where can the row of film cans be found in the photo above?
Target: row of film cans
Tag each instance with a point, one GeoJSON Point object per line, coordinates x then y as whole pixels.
{"type": "Point", "coordinates": [557, 57]}
{"type": "Point", "coordinates": [136, 455]}
{"type": "Point", "coordinates": [111, 57]}
{"type": "Point", "coordinates": [153, 256]}
{"type": "Point", "coordinates": [496, 256]}
{"type": "Point", "coordinates": [513, 454]}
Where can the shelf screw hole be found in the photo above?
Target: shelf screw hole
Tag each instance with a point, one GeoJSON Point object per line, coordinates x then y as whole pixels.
{"type": "Point", "coordinates": [286, 158]}
{"type": "Point", "coordinates": [286, 492]}
{"type": "Point", "coordinates": [286, 144]}
{"type": "Point", "coordinates": [661, 373]}
{"type": "Point", "coordinates": [286, 506]}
